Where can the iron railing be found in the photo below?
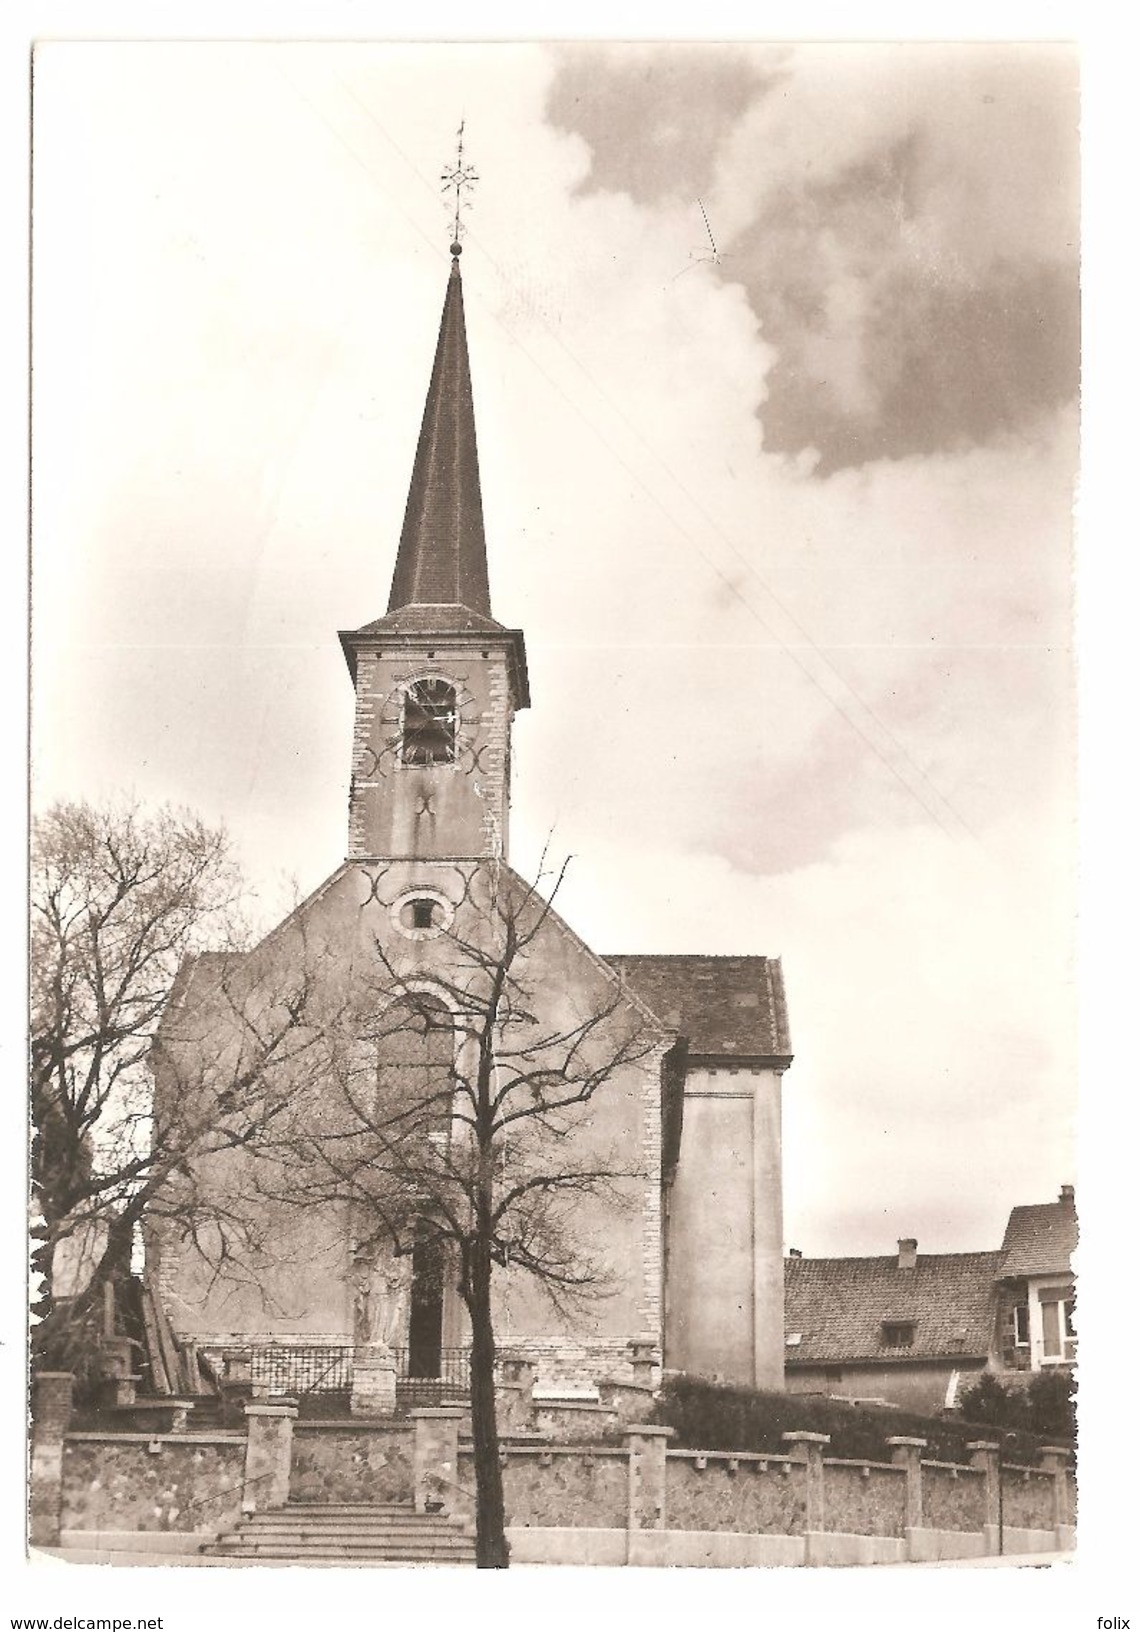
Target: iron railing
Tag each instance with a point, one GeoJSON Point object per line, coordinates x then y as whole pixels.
{"type": "Point", "coordinates": [313, 1373]}
{"type": "Point", "coordinates": [287, 1368]}
{"type": "Point", "coordinates": [431, 1384]}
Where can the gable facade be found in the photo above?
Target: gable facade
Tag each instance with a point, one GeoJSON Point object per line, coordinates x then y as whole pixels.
{"type": "Point", "coordinates": [1036, 1289]}
{"type": "Point", "coordinates": [686, 1242]}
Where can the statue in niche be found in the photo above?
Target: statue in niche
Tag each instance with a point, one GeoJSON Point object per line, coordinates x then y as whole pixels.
{"type": "Point", "coordinates": [382, 1284]}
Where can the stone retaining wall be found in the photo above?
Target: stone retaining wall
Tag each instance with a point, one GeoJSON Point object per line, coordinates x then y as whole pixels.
{"type": "Point", "coordinates": [139, 1482]}
{"type": "Point", "coordinates": [953, 1498]}
{"type": "Point", "coordinates": [587, 1487]}
{"type": "Point", "coordinates": [864, 1499]}
{"type": "Point", "coordinates": [715, 1491]}
{"type": "Point", "coordinates": [350, 1462]}
{"type": "Point", "coordinates": [1027, 1497]}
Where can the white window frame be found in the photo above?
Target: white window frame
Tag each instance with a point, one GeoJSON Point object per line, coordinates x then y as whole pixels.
{"type": "Point", "coordinates": [1050, 1290]}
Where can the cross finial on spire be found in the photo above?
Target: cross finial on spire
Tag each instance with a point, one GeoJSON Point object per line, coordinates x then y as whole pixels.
{"type": "Point", "coordinates": [460, 180]}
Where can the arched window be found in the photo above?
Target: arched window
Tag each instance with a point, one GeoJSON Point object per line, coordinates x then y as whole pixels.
{"type": "Point", "coordinates": [429, 723]}
{"type": "Point", "coordinates": [416, 1065]}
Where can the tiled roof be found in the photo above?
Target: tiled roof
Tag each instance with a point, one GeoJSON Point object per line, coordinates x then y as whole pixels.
{"type": "Point", "coordinates": [838, 1306]}
{"type": "Point", "coordinates": [1039, 1240]}
{"type": "Point", "coordinates": [725, 1006]}
{"type": "Point", "coordinates": [442, 559]}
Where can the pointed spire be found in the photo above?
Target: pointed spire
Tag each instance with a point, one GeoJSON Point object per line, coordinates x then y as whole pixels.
{"type": "Point", "coordinates": [442, 559]}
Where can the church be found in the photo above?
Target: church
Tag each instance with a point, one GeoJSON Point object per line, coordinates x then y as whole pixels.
{"type": "Point", "coordinates": [688, 1238]}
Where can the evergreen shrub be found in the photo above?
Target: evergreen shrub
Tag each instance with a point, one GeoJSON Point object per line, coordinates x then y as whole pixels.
{"type": "Point", "coordinates": [712, 1416]}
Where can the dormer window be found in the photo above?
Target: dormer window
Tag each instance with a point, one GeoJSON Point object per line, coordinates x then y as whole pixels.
{"type": "Point", "coordinates": [429, 723]}
{"type": "Point", "coordinates": [898, 1334]}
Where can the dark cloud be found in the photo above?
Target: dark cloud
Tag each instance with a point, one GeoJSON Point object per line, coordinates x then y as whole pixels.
{"type": "Point", "coordinates": [881, 353]}
{"type": "Point", "coordinates": [910, 248]}
{"type": "Point", "coordinates": [653, 117]}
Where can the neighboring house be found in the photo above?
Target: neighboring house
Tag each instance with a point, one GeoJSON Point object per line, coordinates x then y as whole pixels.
{"type": "Point", "coordinates": [1035, 1286]}
{"type": "Point", "coordinates": [694, 1252]}
{"type": "Point", "coordinates": [913, 1328]}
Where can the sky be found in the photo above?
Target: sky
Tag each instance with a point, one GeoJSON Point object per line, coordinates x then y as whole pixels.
{"type": "Point", "coordinates": [775, 361]}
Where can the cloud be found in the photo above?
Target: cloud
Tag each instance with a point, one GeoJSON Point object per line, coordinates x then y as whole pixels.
{"type": "Point", "coordinates": [902, 218]}
{"type": "Point", "coordinates": [654, 118]}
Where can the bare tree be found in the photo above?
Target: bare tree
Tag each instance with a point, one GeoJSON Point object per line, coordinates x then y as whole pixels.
{"type": "Point", "coordinates": [122, 904]}
{"type": "Point", "coordinates": [456, 1117]}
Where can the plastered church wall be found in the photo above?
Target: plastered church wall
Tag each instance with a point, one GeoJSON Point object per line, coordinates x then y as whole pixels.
{"type": "Point", "coordinates": [725, 1306]}
{"type": "Point", "coordinates": [305, 1290]}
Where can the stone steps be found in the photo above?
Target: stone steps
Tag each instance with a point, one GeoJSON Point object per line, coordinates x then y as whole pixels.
{"type": "Point", "coordinates": [349, 1533]}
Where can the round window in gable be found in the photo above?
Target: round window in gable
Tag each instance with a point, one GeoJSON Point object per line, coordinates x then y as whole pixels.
{"type": "Point", "coordinates": [422, 914]}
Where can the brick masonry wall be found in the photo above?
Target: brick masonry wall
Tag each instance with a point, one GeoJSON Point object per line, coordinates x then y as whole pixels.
{"type": "Point", "coordinates": [121, 1484]}
{"type": "Point", "coordinates": [362, 732]}
{"type": "Point", "coordinates": [1027, 1499]}
{"type": "Point", "coordinates": [1012, 1357]}
{"type": "Point", "coordinates": [568, 1420]}
{"type": "Point", "coordinates": [51, 1413]}
{"type": "Point", "coordinates": [652, 1221]}
{"type": "Point", "coordinates": [334, 1463]}
{"type": "Point", "coordinates": [862, 1499]}
{"type": "Point", "coordinates": [952, 1499]}
{"type": "Point", "coordinates": [572, 1362]}
{"type": "Point", "coordinates": [760, 1496]}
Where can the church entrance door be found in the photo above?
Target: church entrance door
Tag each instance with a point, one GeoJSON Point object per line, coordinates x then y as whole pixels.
{"type": "Point", "coordinates": [425, 1326]}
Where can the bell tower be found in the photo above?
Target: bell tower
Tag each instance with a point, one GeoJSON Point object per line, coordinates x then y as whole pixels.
{"type": "Point", "coordinates": [438, 681]}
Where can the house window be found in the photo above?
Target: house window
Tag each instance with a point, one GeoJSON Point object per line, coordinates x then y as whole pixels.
{"type": "Point", "coordinates": [422, 913]}
{"type": "Point", "coordinates": [1058, 1337]}
{"type": "Point", "coordinates": [1021, 1325]}
{"type": "Point", "coordinates": [898, 1334]}
{"type": "Point", "coordinates": [429, 723]}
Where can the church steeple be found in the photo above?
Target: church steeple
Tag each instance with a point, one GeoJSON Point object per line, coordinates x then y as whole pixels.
{"type": "Point", "coordinates": [442, 559]}
{"type": "Point", "coordinates": [438, 681]}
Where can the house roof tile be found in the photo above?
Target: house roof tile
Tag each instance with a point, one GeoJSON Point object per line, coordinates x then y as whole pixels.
{"type": "Point", "coordinates": [839, 1306]}
{"type": "Point", "coordinates": [1039, 1240]}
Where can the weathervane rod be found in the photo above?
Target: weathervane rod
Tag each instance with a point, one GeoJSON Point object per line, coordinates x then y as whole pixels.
{"type": "Point", "coordinates": [461, 180]}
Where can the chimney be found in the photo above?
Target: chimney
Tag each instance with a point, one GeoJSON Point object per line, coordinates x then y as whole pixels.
{"type": "Point", "coordinates": [908, 1252]}
{"type": "Point", "coordinates": [1067, 1197]}
{"type": "Point", "coordinates": [794, 1252]}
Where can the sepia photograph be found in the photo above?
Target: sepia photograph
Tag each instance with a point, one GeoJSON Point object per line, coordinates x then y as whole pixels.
{"type": "Point", "coordinates": [553, 796]}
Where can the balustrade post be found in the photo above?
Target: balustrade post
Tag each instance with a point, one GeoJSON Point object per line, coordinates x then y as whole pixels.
{"type": "Point", "coordinates": [1055, 1461]}
{"type": "Point", "coordinates": [268, 1454]}
{"type": "Point", "coordinates": [435, 1457]}
{"type": "Point", "coordinates": [51, 1413]}
{"type": "Point", "coordinates": [515, 1394]}
{"type": "Point", "coordinates": [647, 1446]}
{"type": "Point", "coordinates": [808, 1449]}
{"type": "Point", "coordinates": [986, 1455]}
{"type": "Point", "coordinates": [907, 1453]}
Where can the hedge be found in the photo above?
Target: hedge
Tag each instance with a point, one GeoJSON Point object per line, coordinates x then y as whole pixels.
{"type": "Point", "coordinates": [720, 1417]}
